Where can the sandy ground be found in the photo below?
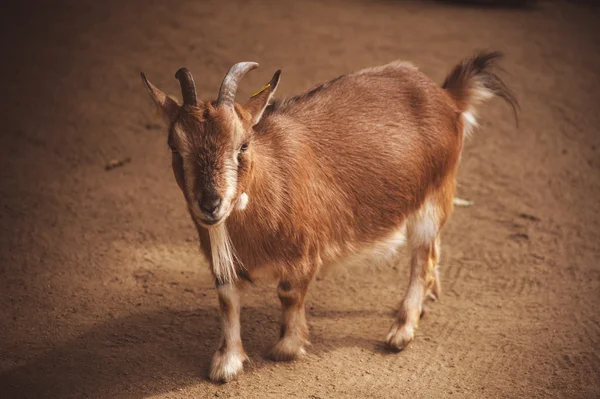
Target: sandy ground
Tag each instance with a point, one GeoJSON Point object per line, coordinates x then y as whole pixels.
{"type": "Point", "coordinates": [103, 293]}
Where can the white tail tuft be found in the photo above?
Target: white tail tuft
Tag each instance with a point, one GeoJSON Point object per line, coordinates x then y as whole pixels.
{"type": "Point", "coordinates": [469, 122]}
{"type": "Point", "coordinates": [479, 94]}
{"type": "Point", "coordinates": [223, 254]}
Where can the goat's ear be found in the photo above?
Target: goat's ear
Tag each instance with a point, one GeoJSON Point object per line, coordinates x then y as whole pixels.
{"type": "Point", "coordinates": [259, 101]}
{"type": "Point", "coordinates": [166, 107]}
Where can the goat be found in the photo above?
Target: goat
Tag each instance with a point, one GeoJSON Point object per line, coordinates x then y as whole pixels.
{"type": "Point", "coordinates": [350, 167]}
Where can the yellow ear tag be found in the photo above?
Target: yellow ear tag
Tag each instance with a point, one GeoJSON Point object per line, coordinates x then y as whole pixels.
{"type": "Point", "coordinates": [261, 90]}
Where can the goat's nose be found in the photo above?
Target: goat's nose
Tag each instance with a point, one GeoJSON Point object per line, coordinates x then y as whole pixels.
{"type": "Point", "coordinates": [210, 203]}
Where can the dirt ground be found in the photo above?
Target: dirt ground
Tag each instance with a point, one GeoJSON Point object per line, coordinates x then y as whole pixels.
{"type": "Point", "coordinates": [103, 293]}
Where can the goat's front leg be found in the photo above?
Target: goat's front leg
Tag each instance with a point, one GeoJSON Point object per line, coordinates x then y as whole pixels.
{"type": "Point", "coordinates": [228, 361]}
{"type": "Point", "coordinates": [294, 331]}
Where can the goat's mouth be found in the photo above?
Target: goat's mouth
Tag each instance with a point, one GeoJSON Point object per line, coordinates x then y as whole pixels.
{"type": "Point", "coordinates": [209, 221]}
{"type": "Point", "coordinates": [213, 220]}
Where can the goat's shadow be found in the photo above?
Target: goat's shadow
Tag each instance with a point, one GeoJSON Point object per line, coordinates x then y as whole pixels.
{"type": "Point", "coordinates": [148, 353]}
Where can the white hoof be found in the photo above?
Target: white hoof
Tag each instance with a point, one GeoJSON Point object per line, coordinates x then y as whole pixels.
{"type": "Point", "coordinates": [288, 348]}
{"type": "Point", "coordinates": [400, 336]}
{"type": "Point", "coordinates": [226, 366]}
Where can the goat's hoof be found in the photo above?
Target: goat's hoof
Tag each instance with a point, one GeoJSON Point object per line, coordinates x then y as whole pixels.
{"type": "Point", "coordinates": [400, 336]}
{"type": "Point", "coordinates": [226, 366]}
{"type": "Point", "coordinates": [287, 349]}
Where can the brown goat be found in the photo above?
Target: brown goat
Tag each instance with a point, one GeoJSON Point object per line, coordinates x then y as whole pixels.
{"type": "Point", "coordinates": [348, 168]}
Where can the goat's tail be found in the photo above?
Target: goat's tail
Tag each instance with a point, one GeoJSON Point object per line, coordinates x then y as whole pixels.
{"type": "Point", "coordinates": [473, 81]}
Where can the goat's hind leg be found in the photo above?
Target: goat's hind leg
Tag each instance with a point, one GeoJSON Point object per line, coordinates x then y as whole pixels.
{"type": "Point", "coordinates": [294, 330]}
{"type": "Point", "coordinates": [434, 289]}
{"type": "Point", "coordinates": [423, 234]}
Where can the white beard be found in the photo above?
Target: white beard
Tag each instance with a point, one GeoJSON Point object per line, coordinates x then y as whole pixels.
{"type": "Point", "coordinates": [223, 254]}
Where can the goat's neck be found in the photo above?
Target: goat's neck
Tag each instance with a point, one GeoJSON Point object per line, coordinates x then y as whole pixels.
{"type": "Point", "coordinates": [266, 188]}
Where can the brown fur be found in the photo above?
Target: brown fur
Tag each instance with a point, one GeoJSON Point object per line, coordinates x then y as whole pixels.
{"type": "Point", "coordinates": [348, 184]}
{"type": "Point", "coordinates": [330, 173]}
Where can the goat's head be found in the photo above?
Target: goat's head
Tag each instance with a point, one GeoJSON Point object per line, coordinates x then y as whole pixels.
{"type": "Point", "coordinates": [211, 141]}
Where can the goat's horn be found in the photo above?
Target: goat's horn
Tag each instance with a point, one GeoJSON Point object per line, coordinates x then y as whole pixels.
{"type": "Point", "coordinates": [188, 88]}
{"type": "Point", "coordinates": [230, 83]}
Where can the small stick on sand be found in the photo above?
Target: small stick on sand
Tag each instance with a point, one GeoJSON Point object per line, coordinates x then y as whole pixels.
{"type": "Point", "coordinates": [462, 202]}
{"type": "Point", "coordinates": [117, 163]}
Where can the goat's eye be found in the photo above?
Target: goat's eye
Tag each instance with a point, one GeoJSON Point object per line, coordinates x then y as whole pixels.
{"type": "Point", "coordinates": [173, 150]}
{"type": "Point", "coordinates": [241, 151]}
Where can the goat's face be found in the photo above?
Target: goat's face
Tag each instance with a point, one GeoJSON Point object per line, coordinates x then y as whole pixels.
{"type": "Point", "coordinates": [211, 151]}
{"type": "Point", "coordinates": [211, 142]}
